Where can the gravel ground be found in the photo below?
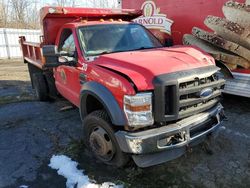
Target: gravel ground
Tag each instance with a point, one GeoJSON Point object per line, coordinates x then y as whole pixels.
{"type": "Point", "coordinates": [31, 132]}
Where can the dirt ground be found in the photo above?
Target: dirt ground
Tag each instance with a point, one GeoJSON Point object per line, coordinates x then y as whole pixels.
{"type": "Point", "coordinates": [31, 132]}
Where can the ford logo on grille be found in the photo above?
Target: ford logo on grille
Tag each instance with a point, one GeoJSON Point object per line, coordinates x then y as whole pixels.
{"type": "Point", "coordinates": [205, 92]}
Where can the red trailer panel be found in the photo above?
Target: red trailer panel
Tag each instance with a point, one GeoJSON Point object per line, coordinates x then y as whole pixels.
{"type": "Point", "coordinates": [185, 14]}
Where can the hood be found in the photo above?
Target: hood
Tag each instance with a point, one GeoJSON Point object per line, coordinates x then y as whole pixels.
{"type": "Point", "coordinates": [143, 65]}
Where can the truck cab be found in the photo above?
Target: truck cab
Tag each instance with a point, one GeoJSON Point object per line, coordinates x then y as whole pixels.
{"type": "Point", "coordinates": [136, 98]}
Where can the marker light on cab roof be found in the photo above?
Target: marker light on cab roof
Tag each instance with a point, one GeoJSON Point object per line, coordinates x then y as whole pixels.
{"type": "Point", "coordinates": [52, 10]}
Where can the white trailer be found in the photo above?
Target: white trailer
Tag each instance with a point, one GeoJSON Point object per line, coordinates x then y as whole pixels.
{"type": "Point", "coordinates": [239, 85]}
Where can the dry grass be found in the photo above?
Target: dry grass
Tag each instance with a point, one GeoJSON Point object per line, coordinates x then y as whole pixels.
{"type": "Point", "coordinates": [14, 82]}
{"type": "Point", "coordinates": [13, 70]}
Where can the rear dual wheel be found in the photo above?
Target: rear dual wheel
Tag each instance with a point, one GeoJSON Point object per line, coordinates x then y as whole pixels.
{"type": "Point", "coordinates": [40, 86]}
{"type": "Point", "coordinates": [99, 138]}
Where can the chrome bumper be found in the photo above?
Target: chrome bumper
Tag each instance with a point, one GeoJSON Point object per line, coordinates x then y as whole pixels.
{"type": "Point", "coordinates": [171, 137]}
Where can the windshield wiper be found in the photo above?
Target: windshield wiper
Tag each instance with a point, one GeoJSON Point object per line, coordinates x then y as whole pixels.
{"type": "Point", "coordinates": [105, 52]}
{"type": "Point", "coordinates": [142, 48]}
{"type": "Point", "coordinates": [109, 52]}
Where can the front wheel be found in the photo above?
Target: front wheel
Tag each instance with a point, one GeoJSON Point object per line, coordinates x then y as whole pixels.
{"type": "Point", "coordinates": [100, 140]}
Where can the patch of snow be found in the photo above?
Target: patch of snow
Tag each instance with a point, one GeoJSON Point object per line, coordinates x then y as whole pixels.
{"type": "Point", "coordinates": [68, 169]}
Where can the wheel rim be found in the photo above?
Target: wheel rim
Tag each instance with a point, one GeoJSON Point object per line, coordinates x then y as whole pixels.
{"type": "Point", "coordinates": [101, 144]}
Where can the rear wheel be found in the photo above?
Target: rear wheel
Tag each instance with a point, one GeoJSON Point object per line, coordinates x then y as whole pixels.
{"type": "Point", "coordinates": [40, 86]}
{"type": "Point", "coordinates": [100, 140]}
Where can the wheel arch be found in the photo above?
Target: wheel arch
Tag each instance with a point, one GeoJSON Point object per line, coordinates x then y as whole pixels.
{"type": "Point", "coordinates": [106, 98]}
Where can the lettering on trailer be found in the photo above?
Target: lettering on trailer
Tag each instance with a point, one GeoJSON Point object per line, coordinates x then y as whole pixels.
{"type": "Point", "coordinates": [153, 19]}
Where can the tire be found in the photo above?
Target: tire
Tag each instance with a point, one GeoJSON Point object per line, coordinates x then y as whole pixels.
{"type": "Point", "coordinates": [96, 125]}
{"type": "Point", "coordinates": [40, 87]}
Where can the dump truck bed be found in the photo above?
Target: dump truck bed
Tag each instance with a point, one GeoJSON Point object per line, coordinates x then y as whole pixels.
{"type": "Point", "coordinates": [32, 52]}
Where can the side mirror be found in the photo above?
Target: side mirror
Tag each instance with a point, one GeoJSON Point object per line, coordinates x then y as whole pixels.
{"type": "Point", "coordinates": [69, 54]}
{"type": "Point", "coordinates": [68, 58]}
{"type": "Point", "coordinates": [49, 50]}
{"type": "Point", "coordinates": [51, 55]}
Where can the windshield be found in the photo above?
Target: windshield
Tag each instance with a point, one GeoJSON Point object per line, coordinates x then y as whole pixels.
{"type": "Point", "coordinates": [110, 38]}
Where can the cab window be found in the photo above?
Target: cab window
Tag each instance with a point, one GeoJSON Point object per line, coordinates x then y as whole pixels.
{"type": "Point", "coordinates": [67, 42]}
{"type": "Point", "coordinates": [111, 38]}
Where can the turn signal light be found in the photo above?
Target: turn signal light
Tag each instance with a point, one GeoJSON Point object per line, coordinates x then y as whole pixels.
{"type": "Point", "coordinates": [138, 108]}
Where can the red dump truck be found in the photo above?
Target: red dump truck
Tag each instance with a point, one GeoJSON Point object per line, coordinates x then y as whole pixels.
{"type": "Point", "coordinates": [171, 20]}
{"type": "Point", "coordinates": [136, 97]}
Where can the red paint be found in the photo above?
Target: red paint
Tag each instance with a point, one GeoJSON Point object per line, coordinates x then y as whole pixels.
{"type": "Point", "coordinates": [140, 66]}
{"type": "Point", "coordinates": [116, 84]}
{"type": "Point", "coordinates": [185, 13]}
{"type": "Point", "coordinates": [143, 66]}
{"type": "Point", "coordinates": [71, 88]}
{"type": "Point", "coordinates": [245, 71]}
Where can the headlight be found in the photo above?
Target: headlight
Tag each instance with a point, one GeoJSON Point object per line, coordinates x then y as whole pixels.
{"type": "Point", "coordinates": [138, 110]}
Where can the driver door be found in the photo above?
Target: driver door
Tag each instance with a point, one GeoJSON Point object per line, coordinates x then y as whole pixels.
{"type": "Point", "coordinates": [66, 76]}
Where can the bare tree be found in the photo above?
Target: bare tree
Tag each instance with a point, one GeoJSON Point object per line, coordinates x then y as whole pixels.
{"type": "Point", "coordinates": [33, 15]}
{"type": "Point", "coordinates": [4, 12]}
{"type": "Point", "coordinates": [104, 3]}
{"type": "Point", "coordinates": [25, 13]}
{"type": "Point", "coordinates": [64, 3]}
{"type": "Point", "coordinates": [19, 8]}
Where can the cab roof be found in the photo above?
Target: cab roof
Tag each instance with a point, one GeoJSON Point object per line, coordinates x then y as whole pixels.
{"type": "Point", "coordinates": [100, 22]}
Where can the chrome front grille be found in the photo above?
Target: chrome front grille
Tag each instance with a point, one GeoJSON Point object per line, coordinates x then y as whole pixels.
{"type": "Point", "coordinates": [181, 94]}
{"type": "Point", "coordinates": [190, 99]}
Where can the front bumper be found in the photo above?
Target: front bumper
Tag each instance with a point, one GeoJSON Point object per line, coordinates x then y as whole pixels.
{"type": "Point", "coordinates": [165, 143]}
